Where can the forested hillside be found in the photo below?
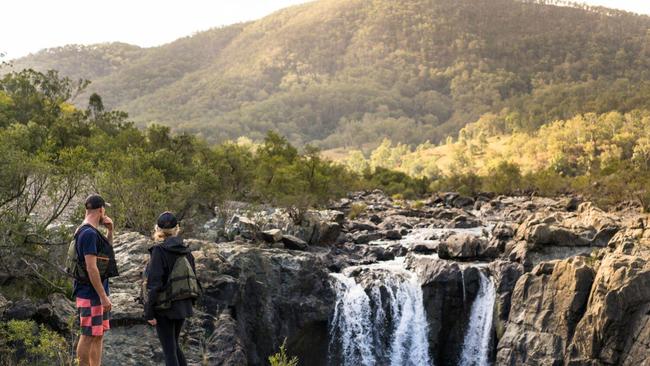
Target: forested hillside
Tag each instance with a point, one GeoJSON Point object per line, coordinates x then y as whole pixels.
{"type": "Point", "coordinates": [346, 73]}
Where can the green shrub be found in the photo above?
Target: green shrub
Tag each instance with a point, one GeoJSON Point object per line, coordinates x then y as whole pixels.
{"type": "Point", "coordinates": [282, 359]}
{"type": "Point", "coordinates": [23, 342]}
{"type": "Point", "coordinates": [393, 182]}
{"type": "Point", "coordinates": [546, 182]}
{"type": "Point", "coordinates": [505, 178]}
{"type": "Point", "coordinates": [356, 209]}
{"type": "Point", "coordinates": [466, 184]}
{"type": "Point", "coordinates": [417, 205]}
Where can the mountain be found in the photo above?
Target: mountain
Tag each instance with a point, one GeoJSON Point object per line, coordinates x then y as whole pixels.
{"type": "Point", "coordinates": [347, 73]}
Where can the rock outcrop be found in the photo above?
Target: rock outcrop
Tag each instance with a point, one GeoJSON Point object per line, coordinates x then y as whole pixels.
{"type": "Point", "coordinates": [448, 290]}
{"type": "Point", "coordinates": [254, 298]}
{"type": "Point", "coordinates": [547, 304]}
{"type": "Point", "coordinates": [505, 275]}
{"type": "Point", "coordinates": [466, 247]}
{"type": "Point", "coordinates": [615, 330]}
{"type": "Point", "coordinates": [572, 281]}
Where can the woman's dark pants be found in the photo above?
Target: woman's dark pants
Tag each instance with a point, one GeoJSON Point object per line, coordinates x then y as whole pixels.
{"type": "Point", "coordinates": [169, 331]}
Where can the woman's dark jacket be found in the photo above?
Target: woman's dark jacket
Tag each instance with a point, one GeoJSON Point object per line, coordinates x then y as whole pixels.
{"type": "Point", "coordinates": [160, 265]}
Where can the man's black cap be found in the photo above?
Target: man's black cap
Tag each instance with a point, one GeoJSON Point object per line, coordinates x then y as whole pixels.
{"type": "Point", "coordinates": [95, 201]}
{"type": "Point", "coordinates": [167, 220]}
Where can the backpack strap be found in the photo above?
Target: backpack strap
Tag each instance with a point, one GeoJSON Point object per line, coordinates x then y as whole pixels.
{"type": "Point", "coordinates": [102, 247]}
{"type": "Point", "coordinates": [76, 238]}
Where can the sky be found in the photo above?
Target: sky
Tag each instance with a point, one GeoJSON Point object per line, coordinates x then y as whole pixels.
{"type": "Point", "coordinates": [27, 26]}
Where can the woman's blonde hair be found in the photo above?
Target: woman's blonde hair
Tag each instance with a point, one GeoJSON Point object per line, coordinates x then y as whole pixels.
{"type": "Point", "coordinates": [162, 234]}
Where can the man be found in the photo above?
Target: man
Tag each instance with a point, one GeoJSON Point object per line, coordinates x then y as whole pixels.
{"type": "Point", "coordinates": [94, 251]}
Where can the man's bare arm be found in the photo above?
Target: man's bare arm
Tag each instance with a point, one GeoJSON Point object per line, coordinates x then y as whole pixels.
{"type": "Point", "coordinates": [96, 280]}
{"type": "Point", "coordinates": [108, 223]}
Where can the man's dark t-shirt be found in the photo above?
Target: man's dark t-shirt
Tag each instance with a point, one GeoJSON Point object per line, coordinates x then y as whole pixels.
{"type": "Point", "coordinates": [87, 242]}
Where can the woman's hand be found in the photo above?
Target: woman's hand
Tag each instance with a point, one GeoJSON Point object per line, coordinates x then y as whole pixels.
{"type": "Point", "coordinates": [153, 322]}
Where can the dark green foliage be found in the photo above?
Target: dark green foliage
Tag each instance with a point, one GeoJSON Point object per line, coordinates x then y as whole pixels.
{"type": "Point", "coordinates": [281, 358]}
{"type": "Point", "coordinates": [23, 342]}
{"type": "Point", "coordinates": [350, 73]}
{"type": "Point", "coordinates": [393, 182]}
{"type": "Point", "coordinates": [467, 184]}
{"type": "Point", "coordinates": [285, 178]}
{"type": "Point", "coordinates": [505, 178]}
{"type": "Point", "coordinates": [54, 154]}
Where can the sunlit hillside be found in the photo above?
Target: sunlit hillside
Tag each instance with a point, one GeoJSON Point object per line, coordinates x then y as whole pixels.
{"type": "Point", "coordinates": [348, 73]}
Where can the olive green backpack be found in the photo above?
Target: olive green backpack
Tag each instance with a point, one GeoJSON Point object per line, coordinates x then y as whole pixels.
{"type": "Point", "coordinates": [181, 284]}
{"type": "Point", "coordinates": [105, 259]}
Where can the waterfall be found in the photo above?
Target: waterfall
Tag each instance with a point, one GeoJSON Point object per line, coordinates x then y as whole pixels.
{"type": "Point", "coordinates": [379, 318]}
{"type": "Point", "coordinates": [462, 278]}
{"type": "Point", "coordinates": [476, 346]}
{"type": "Point", "coordinates": [352, 316]}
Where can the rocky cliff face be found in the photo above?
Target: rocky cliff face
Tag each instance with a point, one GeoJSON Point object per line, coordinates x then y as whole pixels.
{"type": "Point", "coordinates": [584, 310]}
{"type": "Point", "coordinates": [572, 282]}
{"type": "Point", "coordinates": [547, 304]}
{"type": "Point", "coordinates": [254, 299]}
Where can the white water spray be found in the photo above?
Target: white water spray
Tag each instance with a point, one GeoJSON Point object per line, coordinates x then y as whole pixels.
{"type": "Point", "coordinates": [383, 323]}
{"type": "Point", "coordinates": [476, 346]}
{"type": "Point", "coordinates": [462, 278]}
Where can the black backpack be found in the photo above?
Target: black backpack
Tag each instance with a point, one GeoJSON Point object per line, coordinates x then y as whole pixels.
{"type": "Point", "coordinates": [75, 267]}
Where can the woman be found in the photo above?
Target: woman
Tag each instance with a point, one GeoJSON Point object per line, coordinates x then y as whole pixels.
{"type": "Point", "coordinates": [164, 307]}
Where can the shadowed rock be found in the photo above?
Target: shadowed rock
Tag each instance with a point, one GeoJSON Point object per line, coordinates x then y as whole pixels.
{"type": "Point", "coordinates": [547, 304]}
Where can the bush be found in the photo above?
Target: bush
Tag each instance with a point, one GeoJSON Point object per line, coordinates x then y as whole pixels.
{"type": "Point", "coordinates": [393, 182]}
{"type": "Point", "coordinates": [282, 359]}
{"type": "Point", "coordinates": [505, 178]}
{"type": "Point", "coordinates": [546, 182]}
{"type": "Point", "coordinates": [355, 210]}
{"type": "Point", "coordinates": [466, 184]}
{"type": "Point", "coordinates": [23, 342]}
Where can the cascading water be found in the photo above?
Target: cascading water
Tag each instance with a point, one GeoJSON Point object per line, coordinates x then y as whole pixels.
{"type": "Point", "coordinates": [462, 279]}
{"type": "Point", "coordinates": [476, 346]}
{"type": "Point", "coordinates": [379, 319]}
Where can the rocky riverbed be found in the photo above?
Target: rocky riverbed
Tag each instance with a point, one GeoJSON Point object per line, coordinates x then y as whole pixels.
{"type": "Point", "coordinates": [450, 280]}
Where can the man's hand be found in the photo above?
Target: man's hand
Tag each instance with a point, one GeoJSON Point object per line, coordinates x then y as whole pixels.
{"type": "Point", "coordinates": [106, 303]}
{"type": "Point", "coordinates": [153, 322]}
{"type": "Point", "coordinates": [108, 223]}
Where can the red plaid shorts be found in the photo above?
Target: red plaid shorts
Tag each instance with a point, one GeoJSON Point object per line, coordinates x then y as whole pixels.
{"type": "Point", "coordinates": [92, 318]}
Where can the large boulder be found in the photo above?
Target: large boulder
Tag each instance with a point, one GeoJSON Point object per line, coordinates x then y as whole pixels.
{"type": "Point", "coordinates": [589, 225]}
{"type": "Point", "coordinates": [4, 304]}
{"type": "Point", "coordinates": [21, 310]}
{"type": "Point", "coordinates": [634, 240]}
{"type": "Point", "coordinates": [448, 290]}
{"type": "Point", "coordinates": [272, 235]}
{"type": "Point", "coordinates": [365, 237]}
{"type": "Point", "coordinates": [505, 274]}
{"type": "Point", "coordinates": [541, 234]}
{"type": "Point", "coordinates": [397, 222]}
{"type": "Point", "coordinates": [462, 201]}
{"type": "Point", "coordinates": [369, 226]}
{"type": "Point", "coordinates": [314, 227]}
{"type": "Point", "coordinates": [461, 246]}
{"type": "Point", "coordinates": [549, 235]}
{"type": "Point", "coordinates": [463, 222]}
{"type": "Point", "coordinates": [58, 312]}
{"type": "Point", "coordinates": [615, 329]}
{"type": "Point", "coordinates": [546, 306]}
{"type": "Point", "coordinates": [294, 243]}
{"type": "Point", "coordinates": [243, 226]}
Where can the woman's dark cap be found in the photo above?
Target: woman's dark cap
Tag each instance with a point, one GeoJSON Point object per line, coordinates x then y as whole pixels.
{"type": "Point", "coordinates": [95, 201]}
{"type": "Point", "coordinates": [167, 220]}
